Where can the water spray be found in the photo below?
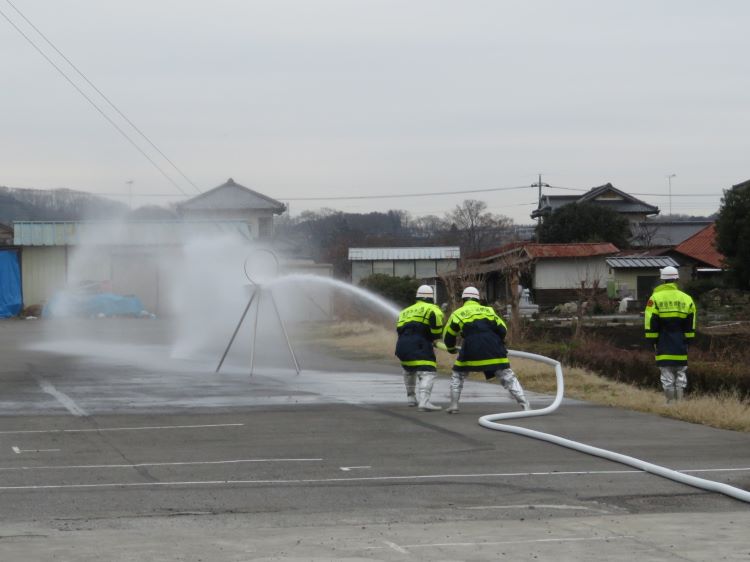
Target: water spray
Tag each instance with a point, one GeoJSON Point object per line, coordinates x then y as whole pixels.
{"type": "Point", "coordinates": [259, 291]}
{"type": "Point", "coordinates": [489, 421]}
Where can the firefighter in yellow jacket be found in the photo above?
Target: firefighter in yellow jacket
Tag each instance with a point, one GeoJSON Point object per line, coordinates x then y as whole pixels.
{"type": "Point", "coordinates": [670, 326]}
{"type": "Point", "coordinates": [419, 327]}
{"type": "Point", "coordinates": [483, 348]}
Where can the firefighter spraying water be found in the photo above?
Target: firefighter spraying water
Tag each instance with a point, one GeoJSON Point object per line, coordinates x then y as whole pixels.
{"type": "Point", "coordinates": [419, 327]}
{"type": "Point", "coordinates": [483, 348]}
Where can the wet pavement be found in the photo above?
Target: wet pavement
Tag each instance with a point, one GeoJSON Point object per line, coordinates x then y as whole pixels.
{"type": "Point", "coordinates": [111, 449]}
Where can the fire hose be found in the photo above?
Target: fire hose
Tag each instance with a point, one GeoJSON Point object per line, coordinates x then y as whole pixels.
{"type": "Point", "coordinates": [489, 421]}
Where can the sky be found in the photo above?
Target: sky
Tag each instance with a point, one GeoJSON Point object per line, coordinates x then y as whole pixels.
{"type": "Point", "coordinates": [340, 98]}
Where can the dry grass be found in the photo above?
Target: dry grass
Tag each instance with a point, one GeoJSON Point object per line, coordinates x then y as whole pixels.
{"type": "Point", "coordinates": [368, 341]}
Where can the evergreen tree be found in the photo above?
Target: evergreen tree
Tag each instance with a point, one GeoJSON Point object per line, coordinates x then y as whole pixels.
{"type": "Point", "coordinates": [733, 232]}
{"type": "Point", "coordinates": [585, 222]}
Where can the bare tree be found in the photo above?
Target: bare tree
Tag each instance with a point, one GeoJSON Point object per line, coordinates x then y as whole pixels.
{"type": "Point", "coordinates": [587, 292]}
{"type": "Point", "coordinates": [512, 268]}
{"type": "Point", "coordinates": [429, 226]}
{"type": "Point", "coordinates": [465, 275]}
{"type": "Point", "coordinates": [510, 265]}
{"type": "Point", "coordinates": [643, 234]}
{"type": "Point", "coordinates": [478, 229]}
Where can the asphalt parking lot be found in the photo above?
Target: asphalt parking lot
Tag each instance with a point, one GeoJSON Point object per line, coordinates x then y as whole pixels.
{"type": "Point", "coordinates": [112, 449]}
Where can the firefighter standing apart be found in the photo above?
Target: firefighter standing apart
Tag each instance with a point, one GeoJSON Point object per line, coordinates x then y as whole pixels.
{"type": "Point", "coordinates": [419, 327]}
{"type": "Point", "coordinates": [483, 348]}
{"type": "Point", "coordinates": [670, 325]}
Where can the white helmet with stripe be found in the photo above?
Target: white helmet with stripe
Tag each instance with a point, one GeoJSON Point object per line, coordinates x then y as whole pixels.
{"type": "Point", "coordinates": [470, 293]}
{"type": "Point", "coordinates": [425, 292]}
{"type": "Point", "coordinates": [669, 272]}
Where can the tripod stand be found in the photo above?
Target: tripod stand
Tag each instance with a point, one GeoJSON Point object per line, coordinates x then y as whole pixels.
{"type": "Point", "coordinates": [258, 293]}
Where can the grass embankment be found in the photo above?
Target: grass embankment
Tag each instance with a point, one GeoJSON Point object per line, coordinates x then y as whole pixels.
{"type": "Point", "coordinates": [368, 341]}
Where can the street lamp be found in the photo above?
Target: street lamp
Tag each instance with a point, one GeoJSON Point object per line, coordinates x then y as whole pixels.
{"type": "Point", "coordinates": [130, 193]}
{"type": "Point", "coordinates": [669, 179]}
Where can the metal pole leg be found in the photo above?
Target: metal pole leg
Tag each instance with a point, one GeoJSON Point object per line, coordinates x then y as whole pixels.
{"type": "Point", "coordinates": [286, 336]}
{"type": "Point", "coordinates": [255, 334]}
{"type": "Point", "coordinates": [237, 329]}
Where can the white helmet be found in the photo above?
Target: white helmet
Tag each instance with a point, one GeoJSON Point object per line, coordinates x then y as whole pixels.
{"type": "Point", "coordinates": [470, 293]}
{"type": "Point", "coordinates": [425, 292]}
{"type": "Point", "coordinates": [669, 272]}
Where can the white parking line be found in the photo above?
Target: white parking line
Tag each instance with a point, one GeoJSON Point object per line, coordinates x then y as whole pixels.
{"type": "Point", "coordinates": [61, 397]}
{"type": "Point", "coordinates": [315, 480]}
{"type": "Point", "coordinates": [348, 468]}
{"type": "Point", "coordinates": [536, 506]}
{"type": "Point", "coordinates": [144, 464]}
{"type": "Point", "coordinates": [404, 547]}
{"type": "Point", "coordinates": [18, 451]}
{"type": "Point", "coordinates": [96, 430]}
{"type": "Point", "coordinates": [396, 547]}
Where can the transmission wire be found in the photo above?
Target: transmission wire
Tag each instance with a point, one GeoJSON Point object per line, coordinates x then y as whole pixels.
{"type": "Point", "coordinates": [93, 104]}
{"type": "Point", "coordinates": [98, 91]}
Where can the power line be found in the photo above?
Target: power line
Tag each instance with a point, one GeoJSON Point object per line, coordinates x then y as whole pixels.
{"type": "Point", "coordinates": [401, 195]}
{"type": "Point", "coordinates": [93, 104]}
{"type": "Point", "coordinates": [98, 91]}
{"type": "Point", "coordinates": [648, 194]}
{"type": "Point", "coordinates": [345, 197]}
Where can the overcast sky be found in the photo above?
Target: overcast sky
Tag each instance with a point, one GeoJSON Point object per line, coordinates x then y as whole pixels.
{"type": "Point", "coordinates": [301, 98]}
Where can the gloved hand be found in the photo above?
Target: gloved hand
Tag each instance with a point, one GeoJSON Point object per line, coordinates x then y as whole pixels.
{"type": "Point", "coordinates": [439, 345]}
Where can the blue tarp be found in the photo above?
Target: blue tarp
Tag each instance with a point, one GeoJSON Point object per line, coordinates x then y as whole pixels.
{"type": "Point", "coordinates": [11, 300]}
{"type": "Point", "coordinates": [65, 304]}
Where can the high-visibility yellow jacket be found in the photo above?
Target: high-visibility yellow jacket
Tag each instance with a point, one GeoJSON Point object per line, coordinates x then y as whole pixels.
{"type": "Point", "coordinates": [483, 333]}
{"type": "Point", "coordinates": [418, 326]}
{"type": "Point", "coordinates": [670, 324]}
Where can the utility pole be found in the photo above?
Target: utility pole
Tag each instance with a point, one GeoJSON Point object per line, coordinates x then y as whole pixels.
{"type": "Point", "coordinates": [539, 184]}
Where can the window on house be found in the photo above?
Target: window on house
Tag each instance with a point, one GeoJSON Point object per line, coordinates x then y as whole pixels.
{"type": "Point", "coordinates": [265, 227]}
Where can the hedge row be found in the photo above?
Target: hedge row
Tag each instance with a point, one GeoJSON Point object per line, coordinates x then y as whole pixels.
{"type": "Point", "coordinates": [707, 374]}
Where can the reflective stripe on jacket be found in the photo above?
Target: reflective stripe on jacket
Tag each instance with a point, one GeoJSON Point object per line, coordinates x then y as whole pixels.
{"type": "Point", "coordinates": [418, 326]}
{"type": "Point", "coordinates": [669, 322]}
{"type": "Point", "coordinates": [483, 333]}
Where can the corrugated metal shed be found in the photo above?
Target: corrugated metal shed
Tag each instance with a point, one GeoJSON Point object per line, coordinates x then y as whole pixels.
{"type": "Point", "coordinates": [429, 253]}
{"type": "Point", "coordinates": [141, 233]}
{"type": "Point", "coordinates": [641, 262]}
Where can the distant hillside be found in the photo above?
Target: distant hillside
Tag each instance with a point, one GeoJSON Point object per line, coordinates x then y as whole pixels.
{"type": "Point", "coordinates": [55, 205]}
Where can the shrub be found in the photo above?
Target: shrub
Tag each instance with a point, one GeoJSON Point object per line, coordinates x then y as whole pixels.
{"type": "Point", "coordinates": [709, 372]}
{"type": "Point", "coordinates": [400, 290]}
{"type": "Point", "coordinates": [698, 287]}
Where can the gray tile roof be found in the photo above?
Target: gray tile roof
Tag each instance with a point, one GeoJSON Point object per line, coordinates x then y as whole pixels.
{"type": "Point", "coordinates": [669, 233]}
{"type": "Point", "coordinates": [625, 204]}
{"type": "Point", "coordinates": [231, 196]}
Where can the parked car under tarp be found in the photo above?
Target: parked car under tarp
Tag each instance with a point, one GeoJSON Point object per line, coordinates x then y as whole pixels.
{"type": "Point", "coordinates": [67, 304]}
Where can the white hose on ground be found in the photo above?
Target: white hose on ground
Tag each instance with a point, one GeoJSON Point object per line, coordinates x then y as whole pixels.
{"type": "Point", "coordinates": [490, 419]}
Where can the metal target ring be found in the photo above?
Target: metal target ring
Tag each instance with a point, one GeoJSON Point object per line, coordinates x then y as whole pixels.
{"type": "Point", "coordinates": [247, 259]}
